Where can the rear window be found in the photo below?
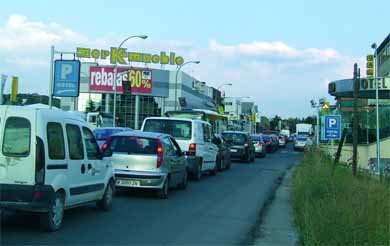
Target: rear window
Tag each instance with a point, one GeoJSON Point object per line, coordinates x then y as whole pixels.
{"type": "Point", "coordinates": [266, 138]}
{"type": "Point", "coordinates": [103, 134]}
{"type": "Point", "coordinates": [133, 145]}
{"type": "Point", "coordinates": [17, 135]}
{"type": "Point", "coordinates": [179, 129]}
{"type": "Point", "coordinates": [256, 138]}
{"type": "Point", "coordinates": [235, 138]}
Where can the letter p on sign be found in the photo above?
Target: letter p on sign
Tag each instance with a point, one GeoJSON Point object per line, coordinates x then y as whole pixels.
{"type": "Point", "coordinates": [66, 69]}
{"type": "Point", "coordinates": [332, 123]}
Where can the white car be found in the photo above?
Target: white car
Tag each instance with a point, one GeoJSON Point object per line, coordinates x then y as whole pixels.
{"type": "Point", "coordinates": [50, 161]}
{"type": "Point", "coordinates": [300, 142]}
{"type": "Point", "coordinates": [194, 138]}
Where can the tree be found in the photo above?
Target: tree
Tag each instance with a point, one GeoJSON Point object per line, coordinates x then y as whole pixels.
{"type": "Point", "coordinates": [90, 106]}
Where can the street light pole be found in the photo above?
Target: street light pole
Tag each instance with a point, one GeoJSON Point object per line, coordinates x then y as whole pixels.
{"type": "Point", "coordinates": [378, 144]}
{"type": "Point", "coordinates": [177, 73]}
{"type": "Point", "coordinates": [115, 74]}
{"type": "Point", "coordinates": [219, 87]}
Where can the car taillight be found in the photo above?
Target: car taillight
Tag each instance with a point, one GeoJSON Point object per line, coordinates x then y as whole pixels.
{"type": "Point", "coordinates": [260, 144]}
{"type": "Point", "coordinates": [192, 149]}
{"type": "Point", "coordinates": [160, 154]}
{"type": "Point", "coordinates": [39, 161]}
{"type": "Point", "coordinates": [269, 142]}
{"type": "Point", "coordinates": [105, 145]}
{"type": "Point", "coordinates": [246, 144]}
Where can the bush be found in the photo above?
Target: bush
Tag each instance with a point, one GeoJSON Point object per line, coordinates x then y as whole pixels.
{"type": "Point", "coordinates": [331, 207]}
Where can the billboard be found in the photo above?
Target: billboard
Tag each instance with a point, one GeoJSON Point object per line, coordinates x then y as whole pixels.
{"type": "Point", "coordinates": [102, 79]}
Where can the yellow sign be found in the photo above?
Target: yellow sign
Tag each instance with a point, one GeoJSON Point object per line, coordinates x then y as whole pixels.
{"type": "Point", "coordinates": [14, 88]}
{"type": "Point", "coordinates": [122, 56]}
{"type": "Point", "coordinates": [325, 108]}
{"type": "Point", "coordinates": [370, 65]}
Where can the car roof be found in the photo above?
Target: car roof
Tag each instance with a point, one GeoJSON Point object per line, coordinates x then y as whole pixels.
{"type": "Point", "coordinates": [238, 132]}
{"type": "Point", "coordinates": [113, 128]}
{"type": "Point", "coordinates": [174, 118]}
{"type": "Point", "coordinates": [137, 133]}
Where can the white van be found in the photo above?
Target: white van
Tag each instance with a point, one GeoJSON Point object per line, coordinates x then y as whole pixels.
{"type": "Point", "coordinates": [194, 138]}
{"type": "Point", "coordinates": [50, 161]}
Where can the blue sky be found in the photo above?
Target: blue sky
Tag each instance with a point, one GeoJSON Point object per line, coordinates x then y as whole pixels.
{"type": "Point", "coordinates": [280, 53]}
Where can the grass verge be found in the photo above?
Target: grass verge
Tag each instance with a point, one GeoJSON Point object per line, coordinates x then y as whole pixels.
{"type": "Point", "coordinates": [335, 208]}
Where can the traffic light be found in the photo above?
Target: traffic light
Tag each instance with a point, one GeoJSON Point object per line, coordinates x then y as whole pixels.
{"type": "Point", "coordinates": [370, 66]}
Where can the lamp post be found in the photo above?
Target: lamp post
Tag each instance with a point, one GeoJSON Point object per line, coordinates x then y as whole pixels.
{"type": "Point", "coordinates": [115, 78]}
{"type": "Point", "coordinates": [177, 72]}
{"type": "Point", "coordinates": [378, 144]}
{"type": "Point", "coordinates": [317, 107]}
{"type": "Point", "coordinates": [219, 87]}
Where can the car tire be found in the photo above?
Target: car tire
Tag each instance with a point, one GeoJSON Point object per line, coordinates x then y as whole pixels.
{"type": "Point", "coordinates": [219, 164]}
{"type": "Point", "coordinates": [253, 158]}
{"type": "Point", "coordinates": [105, 203]}
{"type": "Point", "coordinates": [164, 191]}
{"type": "Point", "coordinates": [184, 183]}
{"type": "Point", "coordinates": [198, 173]}
{"type": "Point", "coordinates": [215, 170]}
{"type": "Point", "coordinates": [52, 220]}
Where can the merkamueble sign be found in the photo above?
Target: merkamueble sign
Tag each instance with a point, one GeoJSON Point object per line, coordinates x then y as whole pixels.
{"type": "Point", "coordinates": [122, 56]}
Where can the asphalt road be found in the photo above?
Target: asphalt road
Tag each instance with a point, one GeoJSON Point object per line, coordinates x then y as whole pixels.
{"type": "Point", "coordinates": [217, 210]}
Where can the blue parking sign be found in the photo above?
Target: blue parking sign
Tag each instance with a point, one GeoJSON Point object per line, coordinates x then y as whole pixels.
{"type": "Point", "coordinates": [332, 127]}
{"type": "Point", "coordinates": [66, 78]}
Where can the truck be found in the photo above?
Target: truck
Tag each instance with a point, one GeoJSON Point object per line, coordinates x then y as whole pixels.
{"type": "Point", "coordinates": [304, 129]}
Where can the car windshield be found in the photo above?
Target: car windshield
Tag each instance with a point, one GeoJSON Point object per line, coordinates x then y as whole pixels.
{"type": "Point", "coordinates": [133, 145]}
{"type": "Point", "coordinates": [302, 138]}
{"type": "Point", "coordinates": [179, 129]}
{"type": "Point", "coordinates": [104, 134]}
{"type": "Point", "coordinates": [235, 138]}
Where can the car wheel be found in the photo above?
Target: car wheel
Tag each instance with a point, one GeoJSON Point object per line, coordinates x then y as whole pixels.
{"type": "Point", "coordinates": [53, 219]}
{"type": "Point", "coordinates": [219, 164]}
{"type": "Point", "coordinates": [163, 192]}
{"type": "Point", "coordinates": [106, 202]}
{"type": "Point", "coordinates": [215, 170]}
{"type": "Point", "coordinates": [253, 158]}
{"type": "Point", "coordinates": [184, 183]}
{"type": "Point", "coordinates": [198, 173]}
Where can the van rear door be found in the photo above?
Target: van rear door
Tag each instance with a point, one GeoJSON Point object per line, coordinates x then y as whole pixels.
{"type": "Point", "coordinates": [17, 145]}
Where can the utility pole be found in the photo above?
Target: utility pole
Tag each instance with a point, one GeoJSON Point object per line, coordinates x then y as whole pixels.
{"type": "Point", "coordinates": [355, 133]}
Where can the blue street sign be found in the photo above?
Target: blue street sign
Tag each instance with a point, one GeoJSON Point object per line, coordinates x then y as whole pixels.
{"type": "Point", "coordinates": [66, 78]}
{"type": "Point", "coordinates": [332, 127]}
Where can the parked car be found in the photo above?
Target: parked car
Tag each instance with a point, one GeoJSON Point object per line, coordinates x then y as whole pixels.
{"type": "Point", "coordinates": [282, 141]}
{"type": "Point", "coordinates": [259, 144]}
{"type": "Point", "coordinates": [300, 142]}
{"type": "Point", "coordinates": [194, 138]}
{"type": "Point", "coordinates": [103, 133]}
{"type": "Point", "coordinates": [241, 145]}
{"type": "Point", "coordinates": [275, 142]}
{"type": "Point", "coordinates": [147, 160]}
{"type": "Point", "coordinates": [223, 158]}
{"type": "Point", "coordinates": [50, 162]}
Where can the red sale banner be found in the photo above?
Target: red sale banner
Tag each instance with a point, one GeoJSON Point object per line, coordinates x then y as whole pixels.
{"type": "Point", "coordinates": [102, 79]}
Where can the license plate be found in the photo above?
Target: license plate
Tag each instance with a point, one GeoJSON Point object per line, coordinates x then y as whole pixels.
{"type": "Point", "coordinates": [233, 150]}
{"type": "Point", "coordinates": [130, 183]}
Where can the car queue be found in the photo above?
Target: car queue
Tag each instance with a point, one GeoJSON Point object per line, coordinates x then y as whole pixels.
{"type": "Point", "coordinates": [51, 160]}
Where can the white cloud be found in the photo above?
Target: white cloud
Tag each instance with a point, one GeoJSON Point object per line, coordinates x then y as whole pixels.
{"type": "Point", "coordinates": [280, 78]}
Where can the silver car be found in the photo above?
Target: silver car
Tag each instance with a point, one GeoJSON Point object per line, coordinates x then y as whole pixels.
{"type": "Point", "coordinates": [147, 160]}
{"type": "Point", "coordinates": [259, 144]}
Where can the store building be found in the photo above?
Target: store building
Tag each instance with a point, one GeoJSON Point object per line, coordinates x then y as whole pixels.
{"type": "Point", "coordinates": [152, 98]}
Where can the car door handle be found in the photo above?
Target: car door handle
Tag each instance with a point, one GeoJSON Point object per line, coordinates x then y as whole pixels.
{"type": "Point", "coordinates": [82, 168]}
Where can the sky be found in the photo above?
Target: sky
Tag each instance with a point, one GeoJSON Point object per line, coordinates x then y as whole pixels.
{"type": "Point", "coordinates": [280, 54]}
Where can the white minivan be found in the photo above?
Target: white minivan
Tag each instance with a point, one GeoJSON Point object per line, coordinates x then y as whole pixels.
{"type": "Point", "coordinates": [50, 161]}
{"type": "Point", "coordinates": [194, 138]}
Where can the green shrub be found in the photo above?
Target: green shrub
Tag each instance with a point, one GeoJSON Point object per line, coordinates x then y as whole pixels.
{"type": "Point", "coordinates": [334, 208]}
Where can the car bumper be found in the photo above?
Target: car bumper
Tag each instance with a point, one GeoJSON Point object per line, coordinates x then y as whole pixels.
{"type": "Point", "coordinates": [237, 153]}
{"type": "Point", "coordinates": [299, 147]}
{"type": "Point", "coordinates": [138, 179]}
{"type": "Point", "coordinates": [34, 198]}
{"type": "Point", "coordinates": [192, 163]}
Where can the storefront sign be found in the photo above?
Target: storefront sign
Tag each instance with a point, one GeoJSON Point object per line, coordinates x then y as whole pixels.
{"type": "Point", "coordinates": [370, 84]}
{"type": "Point", "coordinates": [102, 79]}
{"type": "Point", "coordinates": [123, 57]}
